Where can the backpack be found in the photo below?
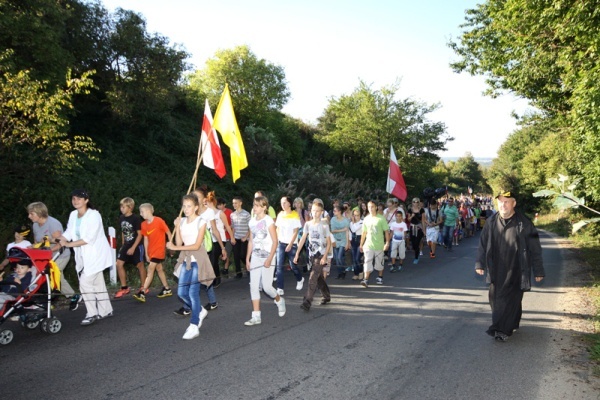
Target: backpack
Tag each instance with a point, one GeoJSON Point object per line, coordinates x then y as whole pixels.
{"type": "Point", "coordinates": [208, 243]}
{"type": "Point", "coordinates": [430, 217]}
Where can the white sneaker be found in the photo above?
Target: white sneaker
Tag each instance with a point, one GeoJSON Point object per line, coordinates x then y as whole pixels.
{"type": "Point", "coordinates": [280, 292]}
{"type": "Point", "coordinates": [421, 253]}
{"type": "Point", "coordinates": [253, 321]}
{"type": "Point", "coordinates": [191, 332]}
{"type": "Point", "coordinates": [379, 281]}
{"type": "Point", "coordinates": [203, 314]}
{"type": "Point", "coordinates": [299, 284]}
{"type": "Point", "coordinates": [281, 306]}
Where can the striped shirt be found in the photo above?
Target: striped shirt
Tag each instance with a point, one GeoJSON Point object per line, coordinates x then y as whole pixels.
{"type": "Point", "coordinates": [239, 223]}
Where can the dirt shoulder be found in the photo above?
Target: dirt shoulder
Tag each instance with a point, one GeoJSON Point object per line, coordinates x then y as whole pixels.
{"type": "Point", "coordinates": [578, 311]}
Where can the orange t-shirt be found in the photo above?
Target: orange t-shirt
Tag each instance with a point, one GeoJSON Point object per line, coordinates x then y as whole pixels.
{"type": "Point", "coordinates": [156, 233]}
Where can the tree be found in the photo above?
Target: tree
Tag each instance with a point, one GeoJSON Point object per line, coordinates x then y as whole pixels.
{"type": "Point", "coordinates": [36, 31]}
{"type": "Point", "coordinates": [33, 120]}
{"type": "Point", "coordinates": [546, 52]}
{"type": "Point", "coordinates": [361, 126]}
{"type": "Point", "coordinates": [529, 157]}
{"type": "Point", "coordinates": [258, 87]}
{"type": "Point", "coordinates": [564, 198]}
{"type": "Point", "coordinates": [465, 173]}
{"type": "Point", "coordinates": [259, 91]}
{"type": "Point", "coordinates": [146, 69]}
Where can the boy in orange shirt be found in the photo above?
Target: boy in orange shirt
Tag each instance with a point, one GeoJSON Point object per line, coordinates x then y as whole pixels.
{"type": "Point", "coordinates": [154, 230]}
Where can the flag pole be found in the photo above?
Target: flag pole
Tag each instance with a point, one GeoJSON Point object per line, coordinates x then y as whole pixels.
{"type": "Point", "coordinates": [194, 177]}
{"type": "Point", "coordinates": [198, 162]}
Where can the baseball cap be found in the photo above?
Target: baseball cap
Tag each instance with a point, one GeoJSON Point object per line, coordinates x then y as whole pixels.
{"type": "Point", "coordinates": [506, 193]}
{"type": "Point", "coordinates": [81, 193]}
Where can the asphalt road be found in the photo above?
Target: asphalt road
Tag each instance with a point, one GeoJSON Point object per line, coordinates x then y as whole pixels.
{"type": "Point", "coordinates": [418, 336]}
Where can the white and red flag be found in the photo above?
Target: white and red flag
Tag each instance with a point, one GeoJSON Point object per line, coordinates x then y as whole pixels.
{"type": "Point", "coordinates": [395, 181]}
{"type": "Point", "coordinates": [211, 149]}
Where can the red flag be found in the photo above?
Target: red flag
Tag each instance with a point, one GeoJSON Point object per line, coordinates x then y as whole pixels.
{"type": "Point", "coordinates": [211, 149]}
{"type": "Point", "coordinates": [395, 181]}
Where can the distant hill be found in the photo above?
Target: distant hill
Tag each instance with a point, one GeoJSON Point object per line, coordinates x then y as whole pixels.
{"type": "Point", "coordinates": [483, 161]}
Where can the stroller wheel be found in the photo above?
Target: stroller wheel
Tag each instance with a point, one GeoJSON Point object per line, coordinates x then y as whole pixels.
{"type": "Point", "coordinates": [51, 325]}
{"type": "Point", "coordinates": [6, 336]}
{"type": "Point", "coordinates": [30, 324]}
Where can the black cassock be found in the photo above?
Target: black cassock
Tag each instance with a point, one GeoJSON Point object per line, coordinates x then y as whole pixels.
{"type": "Point", "coordinates": [505, 293]}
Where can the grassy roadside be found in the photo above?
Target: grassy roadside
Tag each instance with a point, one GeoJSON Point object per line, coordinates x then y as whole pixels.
{"type": "Point", "coordinates": [589, 249]}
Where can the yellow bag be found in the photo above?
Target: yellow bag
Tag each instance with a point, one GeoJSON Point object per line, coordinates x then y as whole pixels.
{"type": "Point", "coordinates": [54, 276]}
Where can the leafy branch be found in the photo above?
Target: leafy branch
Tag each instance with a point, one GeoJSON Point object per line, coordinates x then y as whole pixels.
{"type": "Point", "coordinates": [564, 198]}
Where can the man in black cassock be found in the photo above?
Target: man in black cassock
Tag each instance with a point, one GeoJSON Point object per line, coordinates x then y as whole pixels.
{"type": "Point", "coordinates": [509, 249]}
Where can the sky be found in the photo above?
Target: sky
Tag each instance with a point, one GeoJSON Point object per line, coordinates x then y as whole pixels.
{"type": "Point", "coordinates": [327, 47]}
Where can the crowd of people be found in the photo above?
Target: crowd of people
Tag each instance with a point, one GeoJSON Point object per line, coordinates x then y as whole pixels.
{"type": "Point", "coordinates": [261, 244]}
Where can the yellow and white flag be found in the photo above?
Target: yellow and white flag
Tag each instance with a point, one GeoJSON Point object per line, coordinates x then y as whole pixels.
{"type": "Point", "coordinates": [225, 123]}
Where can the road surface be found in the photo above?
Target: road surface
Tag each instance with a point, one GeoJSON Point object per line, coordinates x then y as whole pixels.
{"type": "Point", "coordinates": [418, 336]}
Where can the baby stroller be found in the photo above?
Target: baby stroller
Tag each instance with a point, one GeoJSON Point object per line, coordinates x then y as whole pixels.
{"type": "Point", "coordinates": [33, 307]}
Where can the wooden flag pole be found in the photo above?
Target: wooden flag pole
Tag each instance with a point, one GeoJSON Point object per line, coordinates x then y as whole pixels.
{"type": "Point", "coordinates": [194, 177]}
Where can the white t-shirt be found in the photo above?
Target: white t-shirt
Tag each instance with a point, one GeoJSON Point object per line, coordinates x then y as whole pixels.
{"type": "Point", "coordinates": [286, 224]}
{"type": "Point", "coordinates": [220, 227]}
{"type": "Point", "coordinates": [189, 231]}
{"type": "Point", "coordinates": [261, 240]}
{"type": "Point", "coordinates": [390, 214]}
{"type": "Point", "coordinates": [23, 244]}
{"type": "Point", "coordinates": [317, 237]}
{"type": "Point", "coordinates": [356, 228]}
{"type": "Point", "coordinates": [208, 215]}
{"type": "Point", "coordinates": [398, 230]}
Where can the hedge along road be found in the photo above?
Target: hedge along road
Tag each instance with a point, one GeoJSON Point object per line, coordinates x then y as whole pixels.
{"type": "Point", "coordinates": [418, 336]}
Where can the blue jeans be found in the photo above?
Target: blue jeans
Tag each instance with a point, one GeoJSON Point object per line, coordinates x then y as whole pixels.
{"type": "Point", "coordinates": [188, 291]}
{"type": "Point", "coordinates": [281, 254]}
{"type": "Point", "coordinates": [448, 232]}
{"type": "Point", "coordinates": [210, 293]}
{"type": "Point", "coordinates": [356, 255]}
{"type": "Point", "coordinates": [339, 255]}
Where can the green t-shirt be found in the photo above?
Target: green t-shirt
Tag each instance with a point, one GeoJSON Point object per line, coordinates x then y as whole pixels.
{"type": "Point", "coordinates": [451, 214]}
{"type": "Point", "coordinates": [375, 228]}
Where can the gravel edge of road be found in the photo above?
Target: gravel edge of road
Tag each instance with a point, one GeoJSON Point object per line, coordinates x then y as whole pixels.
{"type": "Point", "coordinates": [577, 310]}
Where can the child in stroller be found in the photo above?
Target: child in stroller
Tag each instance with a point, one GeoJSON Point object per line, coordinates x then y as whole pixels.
{"type": "Point", "coordinates": [23, 290]}
{"type": "Point", "coordinates": [17, 282]}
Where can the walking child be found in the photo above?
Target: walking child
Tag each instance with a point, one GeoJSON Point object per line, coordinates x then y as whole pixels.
{"type": "Point", "coordinates": [375, 230]}
{"type": "Point", "coordinates": [260, 261]}
{"type": "Point", "coordinates": [155, 231]}
{"type": "Point", "coordinates": [398, 228]}
{"type": "Point", "coordinates": [193, 263]}
{"type": "Point", "coordinates": [319, 244]}
{"type": "Point", "coordinates": [132, 251]}
{"type": "Point", "coordinates": [433, 219]}
{"type": "Point", "coordinates": [239, 222]}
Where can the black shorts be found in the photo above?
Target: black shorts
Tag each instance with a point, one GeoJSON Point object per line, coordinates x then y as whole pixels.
{"type": "Point", "coordinates": [157, 260]}
{"type": "Point", "coordinates": [135, 258]}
